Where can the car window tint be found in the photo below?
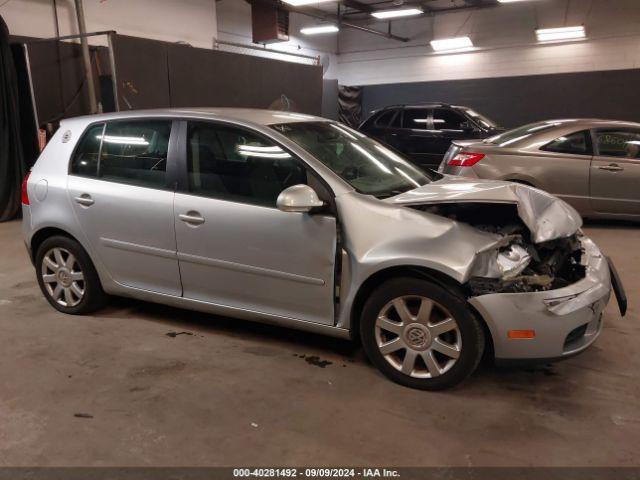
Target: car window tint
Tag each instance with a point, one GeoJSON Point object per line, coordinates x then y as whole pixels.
{"type": "Point", "coordinates": [445, 119]}
{"type": "Point", "coordinates": [235, 164]}
{"type": "Point", "coordinates": [385, 118]}
{"type": "Point", "coordinates": [135, 152]}
{"type": "Point", "coordinates": [576, 143]}
{"type": "Point", "coordinates": [85, 159]}
{"type": "Point", "coordinates": [416, 118]}
{"type": "Point", "coordinates": [619, 143]}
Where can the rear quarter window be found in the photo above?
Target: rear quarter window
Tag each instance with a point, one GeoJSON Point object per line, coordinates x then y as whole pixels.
{"type": "Point", "coordinates": [85, 157]}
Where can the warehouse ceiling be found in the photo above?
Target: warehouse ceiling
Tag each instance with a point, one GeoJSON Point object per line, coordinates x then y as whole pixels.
{"type": "Point", "coordinates": [361, 9]}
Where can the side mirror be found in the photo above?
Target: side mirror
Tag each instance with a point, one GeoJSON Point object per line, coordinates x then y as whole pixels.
{"type": "Point", "coordinates": [298, 198]}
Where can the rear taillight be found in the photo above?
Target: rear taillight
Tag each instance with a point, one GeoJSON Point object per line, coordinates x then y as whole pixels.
{"type": "Point", "coordinates": [25, 194]}
{"type": "Point", "coordinates": [465, 159]}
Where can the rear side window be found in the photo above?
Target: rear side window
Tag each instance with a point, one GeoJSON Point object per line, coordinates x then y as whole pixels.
{"type": "Point", "coordinates": [132, 152]}
{"type": "Point", "coordinates": [578, 143]}
{"type": "Point", "coordinates": [85, 159]}
{"type": "Point", "coordinates": [135, 152]}
{"type": "Point", "coordinates": [416, 118]}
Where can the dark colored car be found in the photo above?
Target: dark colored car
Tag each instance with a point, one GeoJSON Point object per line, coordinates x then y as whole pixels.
{"type": "Point", "coordinates": [424, 132]}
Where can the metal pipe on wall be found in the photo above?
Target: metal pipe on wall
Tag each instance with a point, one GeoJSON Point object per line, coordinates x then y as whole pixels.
{"type": "Point", "coordinates": [86, 57]}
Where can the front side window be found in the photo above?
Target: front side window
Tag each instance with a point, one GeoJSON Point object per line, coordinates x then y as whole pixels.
{"type": "Point", "coordinates": [416, 118]}
{"type": "Point", "coordinates": [479, 118]}
{"type": "Point", "coordinates": [445, 119]}
{"type": "Point", "coordinates": [368, 166]}
{"type": "Point", "coordinates": [624, 143]}
{"type": "Point", "coordinates": [231, 163]}
{"type": "Point", "coordinates": [578, 143]}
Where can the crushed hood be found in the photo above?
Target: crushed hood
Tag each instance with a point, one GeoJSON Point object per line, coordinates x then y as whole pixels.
{"type": "Point", "coordinates": [546, 216]}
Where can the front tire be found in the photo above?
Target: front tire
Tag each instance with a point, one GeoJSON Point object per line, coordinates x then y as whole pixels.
{"type": "Point", "coordinates": [67, 277]}
{"type": "Point", "coordinates": [421, 335]}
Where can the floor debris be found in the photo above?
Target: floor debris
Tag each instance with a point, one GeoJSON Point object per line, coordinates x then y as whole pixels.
{"type": "Point", "coordinates": [83, 415]}
{"type": "Point", "coordinates": [175, 334]}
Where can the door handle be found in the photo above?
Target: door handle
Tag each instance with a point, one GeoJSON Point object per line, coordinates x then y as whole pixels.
{"type": "Point", "coordinates": [193, 218]}
{"type": "Point", "coordinates": [84, 200]}
{"type": "Point", "coordinates": [612, 167]}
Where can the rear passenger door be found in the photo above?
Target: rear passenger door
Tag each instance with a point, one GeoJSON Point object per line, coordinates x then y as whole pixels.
{"type": "Point", "coordinates": [235, 247]}
{"type": "Point", "coordinates": [418, 138]}
{"type": "Point", "coordinates": [122, 196]}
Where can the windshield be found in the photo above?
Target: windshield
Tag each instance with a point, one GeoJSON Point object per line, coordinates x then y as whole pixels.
{"type": "Point", "coordinates": [368, 166]}
{"type": "Point", "coordinates": [512, 136]}
{"type": "Point", "coordinates": [481, 119]}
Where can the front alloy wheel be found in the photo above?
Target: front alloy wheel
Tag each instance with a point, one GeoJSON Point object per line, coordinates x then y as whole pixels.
{"type": "Point", "coordinates": [421, 334]}
{"type": "Point", "coordinates": [418, 336]}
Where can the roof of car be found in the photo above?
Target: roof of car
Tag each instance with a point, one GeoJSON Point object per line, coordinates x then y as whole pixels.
{"type": "Point", "coordinates": [422, 104]}
{"type": "Point", "coordinates": [252, 115]}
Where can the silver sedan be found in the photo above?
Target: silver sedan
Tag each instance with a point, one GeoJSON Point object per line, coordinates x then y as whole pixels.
{"type": "Point", "coordinates": [303, 222]}
{"type": "Point", "coordinates": [592, 164]}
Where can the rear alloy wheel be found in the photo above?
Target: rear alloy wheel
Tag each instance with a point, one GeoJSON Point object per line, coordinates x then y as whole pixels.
{"type": "Point", "coordinates": [421, 335]}
{"type": "Point", "coordinates": [67, 276]}
{"type": "Point", "coordinates": [63, 277]}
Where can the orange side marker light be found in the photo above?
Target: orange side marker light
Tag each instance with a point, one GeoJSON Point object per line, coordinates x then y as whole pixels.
{"type": "Point", "coordinates": [521, 334]}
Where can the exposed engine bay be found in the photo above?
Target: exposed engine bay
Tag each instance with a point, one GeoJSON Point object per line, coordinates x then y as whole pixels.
{"type": "Point", "coordinates": [516, 264]}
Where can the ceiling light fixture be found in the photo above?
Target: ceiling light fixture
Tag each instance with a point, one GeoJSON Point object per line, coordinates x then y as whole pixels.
{"type": "Point", "coordinates": [319, 29]}
{"type": "Point", "coordinates": [559, 34]}
{"type": "Point", "coordinates": [300, 3]}
{"type": "Point", "coordinates": [511, 1]}
{"type": "Point", "coordinates": [451, 44]}
{"type": "Point", "coordinates": [402, 12]}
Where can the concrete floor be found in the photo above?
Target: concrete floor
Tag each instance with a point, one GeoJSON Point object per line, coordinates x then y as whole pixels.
{"type": "Point", "coordinates": [237, 393]}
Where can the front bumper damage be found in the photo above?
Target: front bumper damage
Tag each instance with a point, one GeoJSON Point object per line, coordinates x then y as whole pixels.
{"type": "Point", "coordinates": [566, 320]}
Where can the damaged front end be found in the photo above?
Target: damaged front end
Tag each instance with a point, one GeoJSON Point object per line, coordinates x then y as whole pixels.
{"type": "Point", "coordinates": [537, 245]}
{"type": "Point", "coordinates": [537, 273]}
{"type": "Point", "coordinates": [515, 263]}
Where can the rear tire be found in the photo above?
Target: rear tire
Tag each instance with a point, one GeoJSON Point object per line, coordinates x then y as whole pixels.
{"type": "Point", "coordinates": [421, 335]}
{"type": "Point", "coordinates": [67, 277]}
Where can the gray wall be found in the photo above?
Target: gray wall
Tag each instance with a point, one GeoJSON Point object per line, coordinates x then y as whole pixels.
{"type": "Point", "coordinates": [330, 99]}
{"type": "Point", "coordinates": [513, 101]}
{"type": "Point", "coordinates": [152, 73]}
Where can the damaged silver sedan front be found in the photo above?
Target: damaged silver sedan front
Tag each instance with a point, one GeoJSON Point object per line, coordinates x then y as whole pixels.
{"type": "Point", "coordinates": [303, 222]}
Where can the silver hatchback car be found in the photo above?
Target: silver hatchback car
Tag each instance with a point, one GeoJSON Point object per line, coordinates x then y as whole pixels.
{"type": "Point", "coordinates": [304, 222]}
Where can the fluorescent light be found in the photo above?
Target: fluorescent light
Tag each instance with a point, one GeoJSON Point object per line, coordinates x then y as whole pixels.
{"type": "Point", "coordinates": [402, 12]}
{"type": "Point", "coordinates": [319, 29]}
{"type": "Point", "coordinates": [511, 1]}
{"type": "Point", "coordinates": [123, 140]}
{"type": "Point", "coordinates": [563, 33]}
{"type": "Point", "coordinates": [456, 43]}
{"type": "Point", "coordinates": [299, 3]}
{"type": "Point", "coordinates": [262, 152]}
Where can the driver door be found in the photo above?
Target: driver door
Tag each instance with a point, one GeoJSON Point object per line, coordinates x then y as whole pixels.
{"type": "Point", "coordinates": [235, 248]}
